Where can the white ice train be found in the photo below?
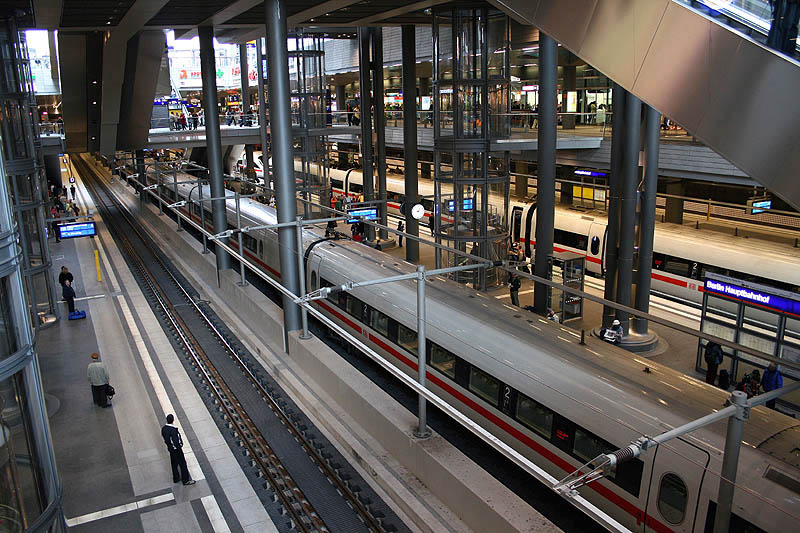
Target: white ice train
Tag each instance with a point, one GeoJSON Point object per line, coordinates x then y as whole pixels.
{"type": "Point", "coordinates": [682, 255]}
{"type": "Point", "coordinates": [559, 403]}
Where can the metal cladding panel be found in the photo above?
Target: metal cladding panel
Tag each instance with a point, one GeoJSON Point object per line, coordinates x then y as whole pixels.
{"type": "Point", "coordinates": [648, 17]}
{"type": "Point", "coordinates": [567, 21]}
{"type": "Point", "coordinates": [141, 77]}
{"type": "Point", "coordinates": [613, 48]}
{"type": "Point", "coordinates": [675, 74]}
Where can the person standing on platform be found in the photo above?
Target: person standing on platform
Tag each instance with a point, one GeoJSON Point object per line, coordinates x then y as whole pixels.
{"type": "Point", "coordinates": [172, 438]}
{"type": "Point", "coordinates": [400, 227]}
{"type": "Point", "coordinates": [65, 275]}
{"type": "Point", "coordinates": [514, 283]}
{"type": "Point", "coordinates": [54, 224]}
{"type": "Point", "coordinates": [713, 357]}
{"type": "Point", "coordinates": [72, 191]}
{"type": "Point", "coordinates": [98, 377]}
{"type": "Point", "coordinates": [69, 296]}
{"type": "Point", "coordinates": [771, 380]}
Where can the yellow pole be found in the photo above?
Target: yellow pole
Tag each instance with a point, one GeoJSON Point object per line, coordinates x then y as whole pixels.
{"type": "Point", "coordinates": [708, 211]}
{"type": "Point", "coordinates": [97, 264]}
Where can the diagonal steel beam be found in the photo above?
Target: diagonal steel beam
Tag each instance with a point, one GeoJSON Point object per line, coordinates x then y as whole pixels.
{"type": "Point", "coordinates": [224, 15]}
{"type": "Point", "coordinates": [408, 8]}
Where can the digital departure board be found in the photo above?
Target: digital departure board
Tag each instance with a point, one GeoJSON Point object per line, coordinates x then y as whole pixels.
{"type": "Point", "coordinates": [364, 213]}
{"type": "Point", "coordinates": [77, 229]}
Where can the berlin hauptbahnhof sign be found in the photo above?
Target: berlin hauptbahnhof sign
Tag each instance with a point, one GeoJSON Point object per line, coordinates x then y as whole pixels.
{"type": "Point", "coordinates": [77, 229]}
{"type": "Point", "coordinates": [759, 298]}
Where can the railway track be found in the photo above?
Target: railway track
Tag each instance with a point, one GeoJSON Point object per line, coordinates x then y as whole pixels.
{"type": "Point", "coordinates": [215, 359]}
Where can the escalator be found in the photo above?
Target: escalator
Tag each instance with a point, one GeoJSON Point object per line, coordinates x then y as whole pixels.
{"type": "Point", "coordinates": [730, 91]}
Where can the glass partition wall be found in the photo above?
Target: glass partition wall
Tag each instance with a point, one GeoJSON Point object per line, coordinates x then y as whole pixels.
{"type": "Point", "coordinates": [25, 169]}
{"type": "Point", "coordinates": [30, 492]}
{"type": "Point", "coordinates": [471, 75]}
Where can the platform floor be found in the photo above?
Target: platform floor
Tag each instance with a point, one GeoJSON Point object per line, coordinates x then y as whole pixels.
{"type": "Point", "coordinates": [113, 464]}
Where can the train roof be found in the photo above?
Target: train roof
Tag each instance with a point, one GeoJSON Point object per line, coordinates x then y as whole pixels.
{"type": "Point", "coordinates": [603, 378]}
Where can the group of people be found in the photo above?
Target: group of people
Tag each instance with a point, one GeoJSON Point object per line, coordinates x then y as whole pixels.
{"type": "Point", "coordinates": [245, 118]}
{"type": "Point", "coordinates": [100, 381]}
{"type": "Point", "coordinates": [183, 122]}
{"type": "Point", "coordinates": [63, 206]}
{"type": "Point", "coordinates": [752, 383]}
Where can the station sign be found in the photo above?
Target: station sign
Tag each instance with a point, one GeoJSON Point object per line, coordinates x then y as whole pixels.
{"type": "Point", "coordinates": [364, 213]}
{"type": "Point", "coordinates": [77, 229]}
{"type": "Point", "coordinates": [755, 297]}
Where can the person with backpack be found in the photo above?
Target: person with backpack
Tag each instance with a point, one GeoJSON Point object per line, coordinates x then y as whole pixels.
{"type": "Point", "coordinates": [713, 357]}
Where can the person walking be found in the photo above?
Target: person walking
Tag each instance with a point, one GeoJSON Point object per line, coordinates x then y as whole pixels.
{"type": "Point", "coordinates": [400, 227]}
{"type": "Point", "coordinates": [72, 191]}
{"type": "Point", "coordinates": [713, 356]}
{"type": "Point", "coordinates": [54, 224]}
{"type": "Point", "coordinates": [172, 438]}
{"type": "Point", "coordinates": [770, 381]}
{"type": "Point", "coordinates": [514, 283]}
{"type": "Point", "coordinates": [97, 375]}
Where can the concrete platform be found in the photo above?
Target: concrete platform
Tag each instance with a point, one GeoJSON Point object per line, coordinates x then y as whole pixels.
{"type": "Point", "coordinates": [113, 463]}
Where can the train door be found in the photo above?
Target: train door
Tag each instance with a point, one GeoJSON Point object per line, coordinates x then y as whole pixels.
{"type": "Point", "coordinates": [516, 223]}
{"type": "Point", "coordinates": [530, 229]}
{"type": "Point", "coordinates": [679, 470]}
{"type": "Point", "coordinates": [594, 248]}
{"type": "Point", "coordinates": [312, 267]}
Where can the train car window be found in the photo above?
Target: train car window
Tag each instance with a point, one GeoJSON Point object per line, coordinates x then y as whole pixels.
{"type": "Point", "coordinates": [407, 338]}
{"type": "Point", "coordinates": [338, 184]}
{"type": "Point", "coordinates": [563, 433]}
{"type": "Point", "coordinates": [250, 243]}
{"type": "Point", "coordinates": [595, 245]}
{"type": "Point", "coordinates": [356, 187]}
{"type": "Point", "coordinates": [355, 307]}
{"type": "Point", "coordinates": [586, 446]}
{"type": "Point", "coordinates": [443, 361]}
{"type": "Point", "coordinates": [568, 238]}
{"type": "Point", "coordinates": [535, 415]}
{"type": "Point", "coordinates": [672, 498]}
{"type": "Point", "coordinates": [379, 322]}
{"type": "Point", "coordinates": [484, 385]}
{"type": "Point", "coordinates": [313, 281]}
{"type": "Point", "coordinates": [676, 265]}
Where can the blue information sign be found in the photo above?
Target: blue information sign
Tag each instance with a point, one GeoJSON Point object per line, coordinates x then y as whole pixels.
{"type": "Point", "coordinates": [759, 206]}
{"type": "Point", "coordinates": [759, 298]}
{"type": "Point", "coordinates": [77, 229]}
{"type": "Point", "coordinates": [356, 215]}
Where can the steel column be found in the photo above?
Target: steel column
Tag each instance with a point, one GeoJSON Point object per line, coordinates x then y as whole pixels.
{"type": "Point", "coordinates": [208, 72]}
{"type": "Point", "coordinates": [380, 122]}
{"type": "Point", "coordinates": [365, 106]}
{"type": "Point", "coordinates": [546, 158]}
{"type": "Point", "coordinates": [245, 83]}
{"type": "Point", "coordinates": [248, 156]}
{"type": "Point", "coordinates": [730, 463]}
{"type": "Point", "coordinates": [141, 171]}
{"type": "Point", "coordinates": [281, 129]}
{"type": "Point", "coordinates": [410, 138]}
{"type": "Point", "coordinates": [262, 111]}
{"type": "Point", "coordinates": [615, 185]}
{"type": "Point", "coordinates": [243, 280]}
{"type": "Point", "coordinates": [422, 431]}
{"type": "Point", "coordinates": [630, 178]}
{"type": "Point", "coordinates": [648, 216]}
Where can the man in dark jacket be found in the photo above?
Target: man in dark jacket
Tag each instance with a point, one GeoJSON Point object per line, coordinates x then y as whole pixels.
{"type": "Point", "coordinates": [174, 442]}
{"type": "Point", "coordinates": [771, 380]}
{"type": "Point", "coordinates": [713, 357]}
{"type": "Point", "coordinates": [514, 284]}
{"type": "Point", "coordinates": [65, 275]}
{"type": "Point", "coordinates": [783, 28]}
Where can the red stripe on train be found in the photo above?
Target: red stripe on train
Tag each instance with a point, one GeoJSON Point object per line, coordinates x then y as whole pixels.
{"type": "Point", "coordinates": [607, 493]}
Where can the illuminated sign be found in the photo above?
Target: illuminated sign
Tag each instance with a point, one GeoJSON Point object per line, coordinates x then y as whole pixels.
{"type": "Point", "coordinates": [364, 213]}
{"type": "Point", "coordinates": [530, 88]}
{"type": "Point", "coordinates": [762, 299]}
{"type": "Point", "coordinates": [77, 229]}
{"type": "Point", "coordinates": [468, 204]}
{"type": "Point", "coordinates": [592, 173]}
{"type": "Point", "coordinates": [759, 206]}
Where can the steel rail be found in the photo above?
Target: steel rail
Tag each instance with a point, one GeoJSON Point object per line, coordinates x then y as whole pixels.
{"type": "Point", "coordinates": [353, 501]}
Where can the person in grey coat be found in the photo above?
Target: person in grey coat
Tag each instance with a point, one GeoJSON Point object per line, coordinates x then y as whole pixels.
{"type": "Point", "coordinates": [98, 378]}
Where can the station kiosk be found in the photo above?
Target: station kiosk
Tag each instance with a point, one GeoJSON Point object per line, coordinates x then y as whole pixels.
{"type": "Point", "coordinates": [569, 269]}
